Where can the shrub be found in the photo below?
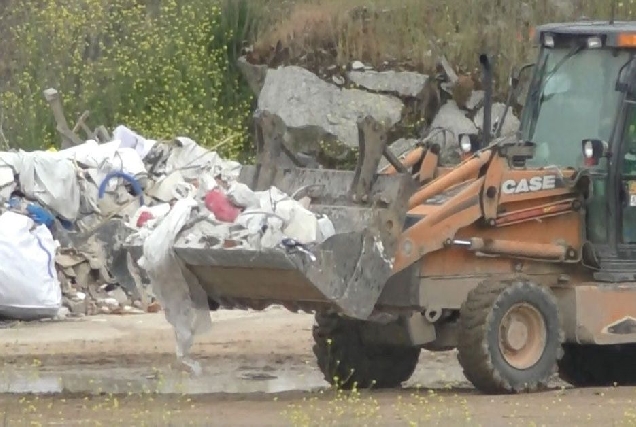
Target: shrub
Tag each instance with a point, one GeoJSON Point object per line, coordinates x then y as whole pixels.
{"type": "Point", "coordinates": [161, 67]}
{"type": "Point", "coordinates": [415, 32]}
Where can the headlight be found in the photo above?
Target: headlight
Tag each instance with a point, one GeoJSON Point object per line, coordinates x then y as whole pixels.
{"type": "Point", "coordinates": [594, 42]}
{"type": "Point", "coordinates": [588, 150]}
{"type": "Point", "coordinates": [548, 40]}
{"type": "Point", "coordinates": [465, 144]}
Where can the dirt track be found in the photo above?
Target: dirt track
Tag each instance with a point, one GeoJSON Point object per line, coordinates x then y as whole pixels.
{"type": "Point", "coordinates": [258, 370]}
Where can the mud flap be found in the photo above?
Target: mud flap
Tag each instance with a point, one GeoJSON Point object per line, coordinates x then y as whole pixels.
{"type": "Point", "coordinates": [348, 274]}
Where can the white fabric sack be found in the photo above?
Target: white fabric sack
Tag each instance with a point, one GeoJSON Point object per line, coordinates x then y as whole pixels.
{"type": "Point", "coordinates": [29, 287]}
{"type": "Point", "coordinates": [184, 301]}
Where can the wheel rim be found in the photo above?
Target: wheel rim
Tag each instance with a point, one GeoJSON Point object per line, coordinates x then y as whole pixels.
{"type": "Point", "coordinates": [522, 336]}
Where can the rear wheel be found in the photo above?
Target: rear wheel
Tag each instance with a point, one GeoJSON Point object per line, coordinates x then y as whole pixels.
{"type": "Point", "coordinates": [346, 361]}
{"type": "Point", "coordinates": [598, 365]}
{"type": "Point", "coordinates": [509, 337]}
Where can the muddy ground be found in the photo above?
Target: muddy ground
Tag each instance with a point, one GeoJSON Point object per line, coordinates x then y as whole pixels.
{"type": "Point", "coordinates": [258, 371]}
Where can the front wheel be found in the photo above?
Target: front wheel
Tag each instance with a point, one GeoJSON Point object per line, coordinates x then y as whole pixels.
{"type": "Point", "coordinates": [347, 361]}
{"type": "Point", "coordinates": [509, 337]}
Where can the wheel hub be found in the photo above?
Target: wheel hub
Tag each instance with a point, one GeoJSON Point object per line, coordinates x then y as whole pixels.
{"type": "Point", "coordinates": [522, 336]}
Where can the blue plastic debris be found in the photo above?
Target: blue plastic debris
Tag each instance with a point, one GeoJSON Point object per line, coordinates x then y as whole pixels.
{"type": "Point", "coordinates": [40, 215]}
{"type": "Point", "coordinates": [37, 213]}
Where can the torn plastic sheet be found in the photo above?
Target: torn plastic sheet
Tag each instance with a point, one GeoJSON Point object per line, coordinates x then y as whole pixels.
{"type": "Point", "coordinates": [181, 295]}
{"type": "Point", "coordinates": [106, 158]}
{"type": "Point", "coordinates": [131, 139]}
{"type": "Point", "coordinates": [189, 158]}
{"type": "Point", "coordinates": [47, 178]}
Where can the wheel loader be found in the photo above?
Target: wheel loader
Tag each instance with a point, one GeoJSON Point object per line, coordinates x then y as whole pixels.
{"type": "Point", "coordinates": [522, 257]}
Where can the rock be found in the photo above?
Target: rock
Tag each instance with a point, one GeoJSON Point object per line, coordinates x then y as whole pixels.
{"type": "Point", "coordinates": [92, 309]}
{"type": "Point", "coordinates": [126, 310]}
{"type": "Point", "coordinates": [357, 65]}
{"type": "Point", "coordinates": [62, 313]}
{"type": "Point", "coordinates": [153, 307]}
{"type": "Point", "coordinates": [254, 74]}
{"type": "Point", "coordinates": [511, 123]}
{"type": "Point", "coordinates": [400, 83]}
{"type": "Point", "coordinates": [339, 80]}
{"type": "Point", "coordinates": [111, 302]}
{"type": "Point", "coordinates": [454, 120]}
{"type": "Point", "coordinates": [399, 148]}
{"type": "Point", "coordinates": [119, 295]}
{"type": "Point", "coordinates": [476, 99]}
{"type": "Point", "coordinates": [75, 306]}
{"type": "Point", "coordinates": [315, 111]}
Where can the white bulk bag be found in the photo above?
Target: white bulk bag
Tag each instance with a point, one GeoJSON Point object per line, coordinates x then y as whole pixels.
{"type": "Point", "coordinates": [29, 287]}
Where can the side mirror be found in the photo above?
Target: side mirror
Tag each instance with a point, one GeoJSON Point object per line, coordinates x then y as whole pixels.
{"type": "Point", "coordinates": [469, 143]}
{"type": "Point", "coordinates": [625, 80]}
{"type": "Point", "coordinates": [631, 87]}
{"type": "Point", "coordinates": [594, 150]}
{"type": "Point", "coordinates": [520, 79]}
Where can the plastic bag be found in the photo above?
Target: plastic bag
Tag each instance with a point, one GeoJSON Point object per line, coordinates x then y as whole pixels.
{"type": "Point", "coordinates": [29, 287]}
{"type": "Point", "coordinates": [131, 139]}
{"type": "Point", "coordinates": [179, 292]}
{"type": "Point", "coordinates": [221, 207]}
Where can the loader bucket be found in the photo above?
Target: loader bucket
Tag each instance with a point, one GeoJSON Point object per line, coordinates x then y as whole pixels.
{"type": "Point", "coordinates": [256, 279]}
{"type": "Point", "coordinates": [350, 268]}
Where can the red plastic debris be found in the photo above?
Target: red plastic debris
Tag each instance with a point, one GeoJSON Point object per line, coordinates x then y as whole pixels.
{"type": "Point", "coordinates": [143, 218]}
{"type": "Point", "coordinates": [221, 207]}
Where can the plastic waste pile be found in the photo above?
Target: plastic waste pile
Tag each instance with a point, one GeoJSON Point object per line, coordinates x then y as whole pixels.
{"type": "Point", "coordinates": [55, 209]}
{"type": "Point", "coordinates": [69, 216]}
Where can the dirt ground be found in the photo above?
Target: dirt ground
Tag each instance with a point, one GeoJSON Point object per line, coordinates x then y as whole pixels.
{"type": "Point", "coordinates": [258, 371]}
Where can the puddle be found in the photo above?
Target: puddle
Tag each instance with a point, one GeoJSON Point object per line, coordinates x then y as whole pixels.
{"type": "Point", "coordinates": [134, 381]}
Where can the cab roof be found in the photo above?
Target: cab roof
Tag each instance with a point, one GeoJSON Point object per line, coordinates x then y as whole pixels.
{"type": "Point", "coordinates": [587, 28]}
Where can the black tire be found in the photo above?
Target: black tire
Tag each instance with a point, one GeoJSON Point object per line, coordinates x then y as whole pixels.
{"type": "Point", "coordinates": [347, 362]}
{"type": "Point", "coordinates": [479, 350]}
{"type": "Point", "coordinates": [598, 365]}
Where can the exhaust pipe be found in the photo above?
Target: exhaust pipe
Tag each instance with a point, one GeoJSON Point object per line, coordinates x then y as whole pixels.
{"type": "Point", "coordinates": [486, 67]}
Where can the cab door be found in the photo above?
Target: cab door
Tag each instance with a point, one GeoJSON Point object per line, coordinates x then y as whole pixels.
{"type": "Point", "coordinates": [625, 180]}
{"type": "Point", "coordinates": [611, 208]}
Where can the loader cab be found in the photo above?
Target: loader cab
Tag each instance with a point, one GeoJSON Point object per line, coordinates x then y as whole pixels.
{"type": "Point", "coordinates": [580, 112]}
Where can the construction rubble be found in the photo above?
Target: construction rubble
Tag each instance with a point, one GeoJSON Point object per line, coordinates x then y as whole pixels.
{"type": "Point", "coordinates": [68, 215]}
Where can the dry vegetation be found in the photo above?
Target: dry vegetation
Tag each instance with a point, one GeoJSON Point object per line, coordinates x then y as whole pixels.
{"type": "Point", "coordinates": [413, 33]}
